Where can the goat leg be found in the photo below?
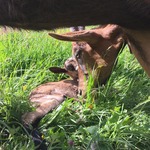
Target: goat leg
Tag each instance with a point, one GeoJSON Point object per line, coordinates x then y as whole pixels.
{"type": "Point", "coordinates": [43, 108]}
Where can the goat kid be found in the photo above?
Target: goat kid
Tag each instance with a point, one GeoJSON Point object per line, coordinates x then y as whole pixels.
{"type": "Point", "coordinates": [48, 96]}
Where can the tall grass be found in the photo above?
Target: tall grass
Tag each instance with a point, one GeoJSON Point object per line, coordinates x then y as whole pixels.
{"type": "Point", "coordinates": [114, 116]}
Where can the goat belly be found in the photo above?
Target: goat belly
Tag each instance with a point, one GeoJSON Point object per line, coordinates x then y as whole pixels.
{"type": "Point", "coordinates": [47, 97]}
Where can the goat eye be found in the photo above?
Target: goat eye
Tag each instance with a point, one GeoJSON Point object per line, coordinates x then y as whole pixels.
{"type": "Point", "coordinates": [78, 54]}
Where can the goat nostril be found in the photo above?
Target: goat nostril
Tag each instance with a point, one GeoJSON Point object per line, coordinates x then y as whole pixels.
{"type": "Point", "coordinates": [86, 76]}
{"type": "Point", "coordinates": [64, 96]}
{"type": "Point", "coordinates": [79, 92]}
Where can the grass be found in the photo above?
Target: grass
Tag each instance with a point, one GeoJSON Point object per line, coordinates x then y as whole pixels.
{"type": "Point", "coordinates": [114, 116]}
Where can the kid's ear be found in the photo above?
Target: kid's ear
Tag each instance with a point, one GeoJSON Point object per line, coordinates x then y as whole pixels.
{"type": "Point", "coordinates": [57, 70]}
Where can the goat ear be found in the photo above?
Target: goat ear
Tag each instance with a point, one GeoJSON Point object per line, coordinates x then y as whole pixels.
{"type": "Point", "coordinates": [57, 70]}
{"type": "Point", "coordinates": [87, 36]}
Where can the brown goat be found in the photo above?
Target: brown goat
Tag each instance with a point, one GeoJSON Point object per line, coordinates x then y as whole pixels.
{"type": "Point", "coordinates": [48, 96]}
{"type": "Point", "coordinates": [50, 14]}
{"type": "Point", "coordinates": [132, 15]}
{"type": "Point", "coordinates": [98, 54]}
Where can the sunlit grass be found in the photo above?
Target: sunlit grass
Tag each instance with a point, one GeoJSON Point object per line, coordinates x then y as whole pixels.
{"type": "Point", "coordinates": [114, 116]}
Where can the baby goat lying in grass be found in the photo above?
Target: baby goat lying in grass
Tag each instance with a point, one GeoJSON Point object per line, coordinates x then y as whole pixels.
{"type": "Point", "coordinates": [48, 96]}
{"type": "Point", "coordinates": [96, 55]}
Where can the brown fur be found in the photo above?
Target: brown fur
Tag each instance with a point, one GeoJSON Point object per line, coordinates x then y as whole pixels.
{"type": "Point", "coordinates": [50, 14]}
{"type": "Point", "coordinates": [98, 53]}
{"type": "Point", "coordinates": [50, 95]}
{"type": "Point", "coordinates": [139, 44]}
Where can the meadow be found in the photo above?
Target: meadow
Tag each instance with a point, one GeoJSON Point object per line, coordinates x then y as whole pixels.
{"type": "Point", "coordinates": [113, 117]}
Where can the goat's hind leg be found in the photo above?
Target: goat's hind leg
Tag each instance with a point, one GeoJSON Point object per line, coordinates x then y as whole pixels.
{"type": "Point", "coordinates": [49, 102]}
